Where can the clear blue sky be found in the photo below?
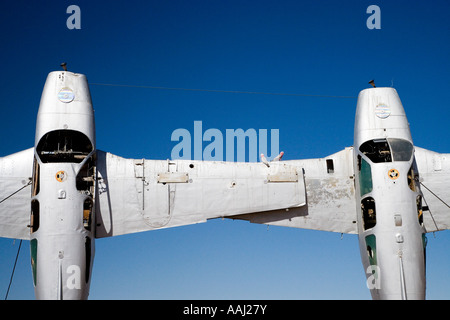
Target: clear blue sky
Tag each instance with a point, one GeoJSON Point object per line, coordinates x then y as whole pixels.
{"type": "Point", "coordinates": [305, 47]}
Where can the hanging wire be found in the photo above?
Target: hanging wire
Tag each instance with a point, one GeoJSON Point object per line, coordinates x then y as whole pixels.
{"type": "Point", "coordinates": [434, 194]}
{"type": "Point", "coordinates": [14, 269]}
{"type": "Point", "coordinates": [20, 244]}
{"type": "Point", "coordinates": [222, 91]}
{"type": "Point", "coordinates": [29, 182]}
{"type": "Point", "coordinates": [431, 215]}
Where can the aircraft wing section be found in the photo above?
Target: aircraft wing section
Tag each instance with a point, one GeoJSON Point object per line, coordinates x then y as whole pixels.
{"type": "Point", "coordinates": [330, 197]}
{"type": "Point", "coordinates": [139, 195]}
{"type": "Point", "coordinates": [15, 194]}
{"type": "Point", "coordinates": [434, 177]}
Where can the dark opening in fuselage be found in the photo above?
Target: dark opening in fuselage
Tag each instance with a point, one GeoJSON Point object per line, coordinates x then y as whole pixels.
{"type": "Point", "coordinates": [64, 146]}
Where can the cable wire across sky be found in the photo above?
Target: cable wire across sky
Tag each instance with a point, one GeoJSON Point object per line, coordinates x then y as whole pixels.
{"type": "Point", "coordinates": [222, 91]}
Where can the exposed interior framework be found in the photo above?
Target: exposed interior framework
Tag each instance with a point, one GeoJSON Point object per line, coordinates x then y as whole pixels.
{"type": "Point", "coordinates": [64, 146]}
{"type": "Point", "coordinates": [387, 150]}
{"type": "Point", "coordinates": [86, 177]}
{"type": "Point", "coordinates": [376, 150]}
{"type": "Point", "coordinates": [85, 184]}
{"type": "Point", "coordinates": [368, 212]}
{"type": "Point", "coordinates": [87, 213]}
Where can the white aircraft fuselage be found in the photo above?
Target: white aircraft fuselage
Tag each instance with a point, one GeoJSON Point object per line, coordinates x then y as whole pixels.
{"type": "Point", "coordinates": [63, 189]}
{"type": "Point", "coordinates": [390, 226]}
{"type": "Point", "coordinates": [388, 196]}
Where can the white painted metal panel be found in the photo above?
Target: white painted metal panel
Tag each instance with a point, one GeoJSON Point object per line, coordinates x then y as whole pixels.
{"type": "Point", "coordinates": [330, 197]}
{"type": "Point", "coordinates": [434, 175]}
{"type": "Point", "coordinates": [15, 173]}
{"type": "Point", "coordinates": [128, 202]}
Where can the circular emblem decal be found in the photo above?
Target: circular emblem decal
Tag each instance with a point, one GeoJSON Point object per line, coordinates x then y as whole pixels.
{"type": "Point", "coordinates": [66, 95]}
{"type": "Point", "coordinates": [61, 176]}
{"type": "Point", "coordinates": [393, 174]}
{"type": "Point", "coordinates": [382, 111]}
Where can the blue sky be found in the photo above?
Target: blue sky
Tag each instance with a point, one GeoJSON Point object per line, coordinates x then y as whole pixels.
{"type": "Point", "coordinates": [302, 47]}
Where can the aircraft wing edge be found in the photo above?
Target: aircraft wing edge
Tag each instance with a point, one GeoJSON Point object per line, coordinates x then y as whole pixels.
{"type": "Point", "coordinates": [15, 196]}
{"type": "Point", "coordinates": [330, 197]}
{"type": "Point", "coordinates": [136, 195]}
{"type": "Point", "coordinates": [434, 176]}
